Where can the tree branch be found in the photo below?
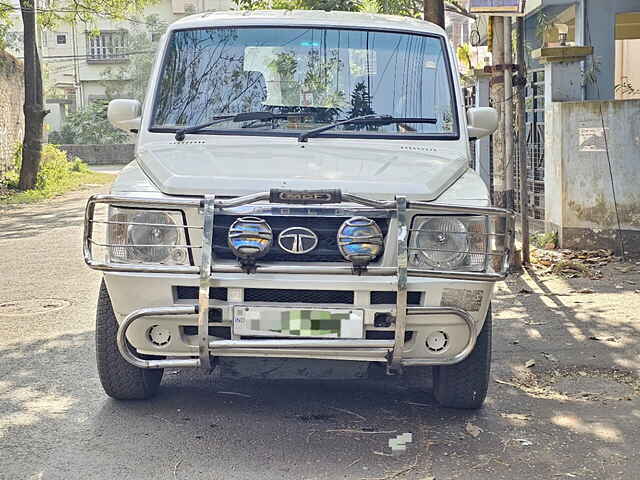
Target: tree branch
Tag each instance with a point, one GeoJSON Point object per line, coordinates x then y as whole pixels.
{"type": "Point", "coordinates": [455, 7]}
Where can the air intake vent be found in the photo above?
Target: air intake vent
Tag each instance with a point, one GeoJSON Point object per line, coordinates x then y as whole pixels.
{"type": "Point", "coordinates": [297, 296]}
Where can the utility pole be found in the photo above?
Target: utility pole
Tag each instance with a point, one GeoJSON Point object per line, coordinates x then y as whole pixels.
{"type": "Point", "coordinates": [497, 102]}
{"type": "Point", "coordinates": [522, 144]}
{"type": "Point", "coordinates": [508, 114]}
{"type": "Point", "coordinates": [434, 11]}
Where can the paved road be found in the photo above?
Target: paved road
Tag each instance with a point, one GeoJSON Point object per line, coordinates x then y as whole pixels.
{"type": "Point", "coordinates": [113, 169]}
{"type": "Point", "coordinates": [573, 415]}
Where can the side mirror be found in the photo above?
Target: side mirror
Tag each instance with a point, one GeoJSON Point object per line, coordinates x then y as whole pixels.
{"type": "Point", "coordinates": [481, 121]}
{"type": "Point", "coordinates": [124, 114]}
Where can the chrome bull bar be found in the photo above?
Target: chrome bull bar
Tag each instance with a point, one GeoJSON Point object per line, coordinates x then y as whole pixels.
{"type": "Point", "coordinates": [374, 350]}
{"type": "Point", "coordinates": [341, 349]}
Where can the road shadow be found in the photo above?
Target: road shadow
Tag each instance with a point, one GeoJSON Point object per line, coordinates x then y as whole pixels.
{"type": "Point", "coordinates": [21, 221]}
{"type": "Point", "coordinates": [56, 423]}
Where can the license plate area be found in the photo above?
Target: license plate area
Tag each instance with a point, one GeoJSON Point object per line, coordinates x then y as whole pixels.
{"type": "Point", "coordinates": [287, 322]}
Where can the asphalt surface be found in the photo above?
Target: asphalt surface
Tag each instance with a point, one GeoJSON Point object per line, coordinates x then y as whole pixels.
{"type": "Point", "coordinates": [574, 414]}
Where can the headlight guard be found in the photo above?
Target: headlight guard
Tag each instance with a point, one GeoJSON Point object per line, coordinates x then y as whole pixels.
{"type": "Point", "coordinates": [444, 243]}
{"type": "Point", "coordinates": [147, 236]}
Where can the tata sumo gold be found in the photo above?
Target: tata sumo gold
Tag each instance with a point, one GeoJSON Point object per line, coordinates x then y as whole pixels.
{"type": "Point", "coordinates": [301, 189]}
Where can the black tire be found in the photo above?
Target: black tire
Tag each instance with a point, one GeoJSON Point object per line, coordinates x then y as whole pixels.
{"type": "Point", "coordinates": [465, 384]}
{"type": "Point", "coordinates": [119, 379]}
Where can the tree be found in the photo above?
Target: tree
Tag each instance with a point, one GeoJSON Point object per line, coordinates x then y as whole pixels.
{"type": "Point", "coordinates": [360, 101]}
{"type": "Point", "coordinates": [56, 11]}
{"type": "Point", "coordinates": [34, 112]}
{"type": "Point", "coordinates": [434, 11]}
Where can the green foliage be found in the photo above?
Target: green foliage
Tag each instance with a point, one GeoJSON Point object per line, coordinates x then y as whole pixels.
{"type": "Point", "coordinates": [56, 175]}
{"type": "Point", "coordinates": [89, 126]}
{"type": "Point", "coordinates": [5, 24]}
{"type": "Point", "coordinates": [77, 165]}
{"type": "Point", "coordinates": [54, 168]}
{"type": "Point", "coordinates": [408, 8]}
{"type": "Point", "coordinates": [548, 240]}
{"type": "Point", "coordinates": [370, 6]}
{"type": "Point", "coordinates": [320, 78]}
{"type": "Point", "coordinates": [463, 53]}
{"type": "Point", "coordinates": [344, 5]}
{"type": "Point", "coordinates": [87, 12]}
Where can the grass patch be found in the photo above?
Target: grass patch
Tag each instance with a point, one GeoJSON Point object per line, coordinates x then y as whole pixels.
{"type": "Point", "coordinates": [57, 175]}
{"type": "Point", "coordinates": [75, 181]}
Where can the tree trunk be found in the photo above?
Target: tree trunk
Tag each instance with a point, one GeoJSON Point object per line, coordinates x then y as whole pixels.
{"type": "Point", "coordinates": [33, 102]}
{"type": "Point", "coordinates": [434, 11]}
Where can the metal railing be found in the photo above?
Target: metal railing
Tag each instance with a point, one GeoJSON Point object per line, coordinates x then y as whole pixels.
{"type": "Point", "coordinates": [209, 207]}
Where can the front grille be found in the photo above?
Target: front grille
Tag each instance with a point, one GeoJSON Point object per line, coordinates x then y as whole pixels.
{"type": "Point", "coordinates": [326, 228]}
{"type": "Point", "coordinates": [389, 298]}
{"type": "Point", "coordinates": [297, 296]}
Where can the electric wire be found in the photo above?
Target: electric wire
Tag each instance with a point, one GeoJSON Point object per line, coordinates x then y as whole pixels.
{"type": "Point", "coordinates": [606, 143]}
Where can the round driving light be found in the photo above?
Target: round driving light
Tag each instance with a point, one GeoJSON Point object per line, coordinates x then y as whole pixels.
{"type": "Point", "coordinates": [250, 238]}
{"type": "Point", "coordinates": [360, 240]}
{"type": "Point", "coordinates": [440, 243]}
{"type": "Point", "coordinates": [152, 236]}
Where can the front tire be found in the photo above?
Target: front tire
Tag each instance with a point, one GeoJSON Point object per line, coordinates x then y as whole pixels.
{"type": "Point", "coordinates": [119, 379]}
{"type": "Point", "coordinates": [465, 384]}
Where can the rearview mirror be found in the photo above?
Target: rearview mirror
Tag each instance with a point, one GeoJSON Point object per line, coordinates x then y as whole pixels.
{"type": "Point", "coordinates": [481, 121]}
{"type": "Point", "coordinates": [124, 114]}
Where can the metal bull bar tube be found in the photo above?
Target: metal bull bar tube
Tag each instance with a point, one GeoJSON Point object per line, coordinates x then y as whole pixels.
{"type": "Point", "coordinates": [368, 349]}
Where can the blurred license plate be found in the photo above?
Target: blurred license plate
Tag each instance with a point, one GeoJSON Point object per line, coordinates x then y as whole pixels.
{"type": "Point", "coordinates": [298, 322]}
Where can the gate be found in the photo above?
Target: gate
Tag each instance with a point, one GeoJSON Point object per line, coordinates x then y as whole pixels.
{"type": "Point", "coordinates": [534, 134]}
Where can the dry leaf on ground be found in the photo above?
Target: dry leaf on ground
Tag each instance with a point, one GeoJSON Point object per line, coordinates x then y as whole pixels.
{"type": "Point", "coordinates": [473, 430]}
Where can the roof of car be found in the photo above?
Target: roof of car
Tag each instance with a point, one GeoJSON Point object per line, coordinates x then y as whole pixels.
{"type": "Point", "coordinates": [310, 18]}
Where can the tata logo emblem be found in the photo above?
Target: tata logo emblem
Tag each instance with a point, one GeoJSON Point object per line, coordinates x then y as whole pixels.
{"type": "Point", "coordinates": [297, 240]}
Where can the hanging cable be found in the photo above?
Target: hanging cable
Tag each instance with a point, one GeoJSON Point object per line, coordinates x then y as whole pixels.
{"type": "Point", "coordinates": [606, 145]}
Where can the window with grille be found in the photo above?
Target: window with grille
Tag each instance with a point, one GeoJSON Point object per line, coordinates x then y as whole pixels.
{"type": "Point", "coordinates": [107, 46]}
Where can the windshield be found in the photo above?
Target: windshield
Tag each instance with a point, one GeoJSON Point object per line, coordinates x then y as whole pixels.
{"type": "Point", "coordinates": [325, 74]}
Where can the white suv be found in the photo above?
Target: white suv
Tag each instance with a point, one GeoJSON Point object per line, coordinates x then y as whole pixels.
{"type": "Point", "coordinates": [301, 189]}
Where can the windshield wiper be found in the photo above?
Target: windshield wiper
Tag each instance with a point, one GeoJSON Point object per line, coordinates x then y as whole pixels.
{"type": "Point", "coordinates": [240, 117]}
{"type": "Point", "coordinates": [365, 119]}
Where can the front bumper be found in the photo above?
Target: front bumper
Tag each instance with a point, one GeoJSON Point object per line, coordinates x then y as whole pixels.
{"type": "Point", "coordinates": [410, 325]}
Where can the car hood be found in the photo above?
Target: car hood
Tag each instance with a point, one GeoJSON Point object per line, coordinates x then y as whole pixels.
{"type": "Point", "coordinates": [229, 169]}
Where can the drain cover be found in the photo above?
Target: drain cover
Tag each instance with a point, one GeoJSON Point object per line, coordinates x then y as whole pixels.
{"type": "Point", "coordinates": [32, 306]}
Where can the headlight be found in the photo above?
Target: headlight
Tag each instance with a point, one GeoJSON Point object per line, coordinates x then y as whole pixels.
{"type": "Point", "coordinates": [448, 243]}
{"type": "Point", "coordinates": [146, 236]}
